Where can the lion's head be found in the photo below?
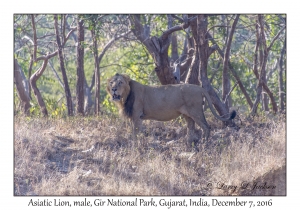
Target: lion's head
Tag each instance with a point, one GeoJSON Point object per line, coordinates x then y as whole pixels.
{"type": "Point", "coordinates": [118, 88]}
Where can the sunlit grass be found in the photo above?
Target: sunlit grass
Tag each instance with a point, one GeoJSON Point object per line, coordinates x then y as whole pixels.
{"type": "Point", "coordinates": [96, 156]}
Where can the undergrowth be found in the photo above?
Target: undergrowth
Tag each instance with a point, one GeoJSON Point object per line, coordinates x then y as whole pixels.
{"type": "Point", "coordinates": [96, 156]}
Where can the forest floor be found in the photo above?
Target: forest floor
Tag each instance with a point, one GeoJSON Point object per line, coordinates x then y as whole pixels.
{"type": "Point", "coordinates": [96, 156]}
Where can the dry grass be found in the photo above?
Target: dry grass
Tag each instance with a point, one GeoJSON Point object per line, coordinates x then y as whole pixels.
{"type": "Point", "coordinates": [96, 156]}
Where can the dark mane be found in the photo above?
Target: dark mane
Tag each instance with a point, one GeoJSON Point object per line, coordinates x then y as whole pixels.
{"type": "Point", "coordinates": [128, 106]}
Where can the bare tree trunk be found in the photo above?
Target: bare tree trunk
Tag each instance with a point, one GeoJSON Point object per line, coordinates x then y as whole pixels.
{"type": "Point", "coordinates": [280, 78]}
{"type": "Point", "coordinates": [225, 76]}
{"type": "Point", "coordinates": [34, 37]}
{"type": "Point", "coordinates": [204, 53]}
{"type": "Point", "coordinates": [186, 56]}
{"type": "Point", "coordinates": [88, 102]}
{"type": "Point", "coordinates": [80, 68]}
{"type": "Point", "coordinates": [265, 101]}
{"type": "Point", "coordinates": [36, 91]}
{"type": "Point", "coordinates": [157, 47]}
{"type": "Point", "coordinates": [262, 65]}
{"type": "Point", "coordinates": [29, 74]}
{"type": "Point", "coordinates": [174, 45]}
{"type": "Point", "coordinates": [264, 97]}
{"type": "Point", "coordinates": [174, 53]}
{"type": "Point", "coordinates": [193, 73]}
{"type": "Point", "coordinates": [63, 70]}
{"type": "Point", "coordinates": [96, 73]}
{"type": "Point", "coordinates": [24, 97]}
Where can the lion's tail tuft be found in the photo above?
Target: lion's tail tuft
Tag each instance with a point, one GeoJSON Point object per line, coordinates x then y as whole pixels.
{"type": "Point", "coordinates": [232, 115]}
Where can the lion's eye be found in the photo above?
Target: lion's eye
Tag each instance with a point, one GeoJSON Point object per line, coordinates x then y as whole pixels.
{"type": "Point", "coordinates": [120, 82]}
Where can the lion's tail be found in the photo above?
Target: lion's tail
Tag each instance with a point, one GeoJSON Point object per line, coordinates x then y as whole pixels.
{"type": "Point", "coordinates": [231, 115]}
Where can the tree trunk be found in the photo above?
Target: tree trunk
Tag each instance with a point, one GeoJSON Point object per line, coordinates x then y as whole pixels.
{"type": "Point", "coordinates": [63, 70]}
{"type": "Point", "coordinates": [88, 102]}
{"type": "Point", "coordinates": [80, 68]}
{"type": "Point", "coordinates": [157, 47]}
{"type": "Point", "coordinates": [265, 100]}
{"type": "Point", "coordinates": [174, 45]}
{"type": "Point", "coordinates": [174, 53]}
{"type": "Point", "coordinates": [280, 78]}
{"type": "Point", "coordinates": [263, 59]}
{"type": "Point", "coordinates": [263, 66]}
{"type": "Point", "coordinates": [23, 95]}
{"type": "Point", "coordinates": [34, 37]}
{"type": "Point", "coordinates": [264, 97]}
{"type": "Point", "coordinates": [29, 74]}
{"type": "Point", "coordinates": [36, 91]}
{"type": "Point", "coordinates": [96, 73]}
{"type": "Point", "coordinates": [186, 56]}
{"type": "Point", "coordinates": [193, 73]}
{"type": "Point", "coordinates": [225, 75]}
{"type": "Point", "coordinates": [204, 53]}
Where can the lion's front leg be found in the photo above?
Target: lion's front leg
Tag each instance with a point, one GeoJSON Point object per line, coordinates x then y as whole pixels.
{"type": "Point", "coordinates": [136, 128]}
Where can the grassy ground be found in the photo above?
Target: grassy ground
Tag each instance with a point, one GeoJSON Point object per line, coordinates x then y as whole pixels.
{"type": "Point", "coordinates": [96, 156]}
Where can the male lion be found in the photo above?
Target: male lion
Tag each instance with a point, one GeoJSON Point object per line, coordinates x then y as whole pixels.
{"type": "Point", "coordinates": [163, 103]}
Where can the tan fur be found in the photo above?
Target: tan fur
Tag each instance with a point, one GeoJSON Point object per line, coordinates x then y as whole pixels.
{"type": "Point", "coordinates": [162, 103]}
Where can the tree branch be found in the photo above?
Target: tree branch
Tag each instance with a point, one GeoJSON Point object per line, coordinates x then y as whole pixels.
{"type": "Point", "coordinates": [56, 75]}
{"type": "Point", "coordinates": [138, 28]}
{"type": "Point", "coordinates": [107, 46]}
{"type": "Point", "coordinates": [34, 37]}
{"type": "Point", "coordinates": [227, 96]}
{"type": "Point", "coordinates": [178, 18]}
{"type": "Point", "coordinates": [225, 77]}
{"type": "Point", "coordinates": [274, 39]}
{"type": "Point", "coordinates": [175, 28]}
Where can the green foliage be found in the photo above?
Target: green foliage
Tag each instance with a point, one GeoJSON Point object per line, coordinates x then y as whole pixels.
{"type": "Point", "coordinates": [55, 109]}
{"type": "Point", "coordinates": [109, 106]}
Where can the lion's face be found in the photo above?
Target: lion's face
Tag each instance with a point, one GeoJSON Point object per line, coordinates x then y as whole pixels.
{"type": "Point", "coordinates": [118, 87]}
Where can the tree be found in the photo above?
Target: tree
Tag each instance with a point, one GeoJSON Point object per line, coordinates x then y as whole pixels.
{"type": "Point", "coordinates": [80, 67]}
{"type": "Point", "coordinates": [19, 80]}
{"type": "Point", "coordinates": [226, 79]}
{"type": "Point", "coordinates": [62, 66]}
{"type": "Point", "coordinates": [181, 47]}
{"type": "Point", "coordinates": [261, 40]}
{"type": "Point", "coordinates": [98, 57]}
{"type": "Point", "coordinates": [193, 73]}
{"type": "Point", "coordinates": [234, 73]}
{"type": "Point", "coordinates": [205, 51]}
{"type": "Point", "coordinates": [157, 46]}
{"type": "Point", "coordinates": [40, 71]}
{"type": "Point", "coordinates": [280, 77]}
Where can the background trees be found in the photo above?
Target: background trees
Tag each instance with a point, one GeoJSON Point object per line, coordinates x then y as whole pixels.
{"type": "Point", "coordinates": [239, 59]}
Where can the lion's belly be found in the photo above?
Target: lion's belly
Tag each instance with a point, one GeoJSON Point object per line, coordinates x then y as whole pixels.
{"type": "Point", "coordinates": [160, 115]}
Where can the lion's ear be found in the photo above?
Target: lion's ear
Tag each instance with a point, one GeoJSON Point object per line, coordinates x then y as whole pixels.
{"type": "Point", "coordinates": [126, 77]}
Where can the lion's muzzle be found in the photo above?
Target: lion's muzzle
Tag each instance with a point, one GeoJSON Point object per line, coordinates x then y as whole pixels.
{"type": "Point", "coordinates": [116, 97]}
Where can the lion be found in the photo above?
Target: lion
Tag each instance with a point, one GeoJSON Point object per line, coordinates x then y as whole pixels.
{"type": "Point", "coordinates": [162, 103]}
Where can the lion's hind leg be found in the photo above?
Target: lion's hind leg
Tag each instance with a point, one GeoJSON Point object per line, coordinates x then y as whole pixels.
{"type": "Point", "coordinates": [201, 121]}
{"type": "Point", "coordinates": [190, 132]}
